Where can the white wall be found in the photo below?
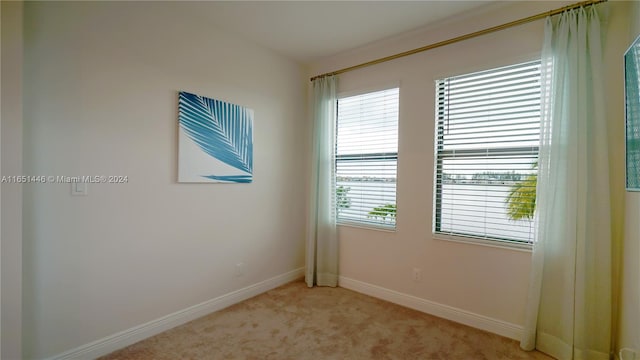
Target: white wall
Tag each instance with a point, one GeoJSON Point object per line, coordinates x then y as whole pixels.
{"type": "Point", "coordinates": [629, 330]}
{"type": "Point", "coordinates": [100, 90]}
{"type": "Point", "coordinates": [486, 281]}
{"type": "Point", "coordinates": [11, 219]}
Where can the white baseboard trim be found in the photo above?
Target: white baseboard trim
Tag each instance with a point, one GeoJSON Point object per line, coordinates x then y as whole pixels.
{"type": "Point", "coordinates": [482, 322]}
{"type": "Point", "coordinates": [130, 336]}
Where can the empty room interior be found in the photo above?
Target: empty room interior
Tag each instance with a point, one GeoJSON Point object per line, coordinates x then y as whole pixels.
{"type": "Point", "coordinates": [164, 161]}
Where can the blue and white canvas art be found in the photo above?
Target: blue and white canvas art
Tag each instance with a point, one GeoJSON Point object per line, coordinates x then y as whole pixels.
{"type": "Point", "coordinates": [215, 142]}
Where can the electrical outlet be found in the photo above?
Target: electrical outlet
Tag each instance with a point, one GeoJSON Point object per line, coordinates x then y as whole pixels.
{"type": "Point", "coordinates": [78, 189]}
{"type": "Point", "coordinates": [629, 354]}
{"type": "Point", "coordinates": [417, 274]}
{"type": "Point", "coordinates": [239, 269]}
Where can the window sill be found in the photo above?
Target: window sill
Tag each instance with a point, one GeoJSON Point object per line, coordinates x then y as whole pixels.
{"type": "Point", "coordinates": [507, 245]}
{"type": "Point", "coordinates": [368, 226]}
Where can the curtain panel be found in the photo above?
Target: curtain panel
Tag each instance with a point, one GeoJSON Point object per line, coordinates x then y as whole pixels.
{"type": "Point", "coordinates": [568, 313]}
{"type": "Point", "coordinates": [322, 239]}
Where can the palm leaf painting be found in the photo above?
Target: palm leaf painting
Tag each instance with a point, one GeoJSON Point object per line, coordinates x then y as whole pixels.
{"type": "Point", "coordinates": [222, 132]}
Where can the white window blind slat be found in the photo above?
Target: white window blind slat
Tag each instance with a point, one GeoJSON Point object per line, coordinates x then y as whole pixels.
{"type": "Point", "coordinates": [487, 135]}
{"type": "Point", "coordinates": [366, 159]}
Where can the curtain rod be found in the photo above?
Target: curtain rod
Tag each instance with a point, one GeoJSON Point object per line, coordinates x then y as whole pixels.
{"type": "Point", "coordinates": [462, 37]}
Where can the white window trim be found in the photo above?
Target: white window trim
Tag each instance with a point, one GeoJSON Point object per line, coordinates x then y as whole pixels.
{"type": "Point", "coordinates": [509, 245]}
{"type": "Point", "coordinates": [462, 238]}
{"type": "Point", "coordinates": [361, 91]}
{"type": "Point", "coordinates": [374, 227]}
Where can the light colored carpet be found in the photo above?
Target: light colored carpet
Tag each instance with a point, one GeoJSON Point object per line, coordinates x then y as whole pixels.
{"type": "Point", "coordinates": [295, 322]}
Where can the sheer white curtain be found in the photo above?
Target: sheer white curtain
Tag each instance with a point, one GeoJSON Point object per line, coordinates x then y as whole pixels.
{"type": "Point", "coordinates": [569, 307]}
{"type": "Point", "coordinates": [322, 239]}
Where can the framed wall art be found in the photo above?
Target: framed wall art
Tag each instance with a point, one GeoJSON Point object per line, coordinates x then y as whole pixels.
{"type": "Point", "coordinates": [215, 143]}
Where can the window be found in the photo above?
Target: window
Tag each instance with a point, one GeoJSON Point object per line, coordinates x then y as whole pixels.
{"type": "Point", "coordinates": [366, 159]}
{"type": "Point", "coordinates": [488, 130]}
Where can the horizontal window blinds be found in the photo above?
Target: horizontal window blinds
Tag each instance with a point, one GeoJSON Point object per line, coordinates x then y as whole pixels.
{"type": "Point", "coordinates": [488, 130]}
{"type": "Point", "coordinates": [366, 158]}
{"type": "Point", "coordinates": [632, 83]}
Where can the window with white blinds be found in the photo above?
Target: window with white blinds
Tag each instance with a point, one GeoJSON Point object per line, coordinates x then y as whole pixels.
{"type": "Point", "coordinates": [366, 159]}
{"type": "Point", "coordinates": [487, 136]}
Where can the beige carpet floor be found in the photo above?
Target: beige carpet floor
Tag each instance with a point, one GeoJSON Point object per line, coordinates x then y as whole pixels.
{"type": "Point", "coordinates": [295, 322]}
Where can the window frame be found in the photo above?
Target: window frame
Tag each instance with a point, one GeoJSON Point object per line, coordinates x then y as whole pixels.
{"type": "Point", "coordinates": [368, 225]}
{"type": "Point", "coordinates": [461, 237]}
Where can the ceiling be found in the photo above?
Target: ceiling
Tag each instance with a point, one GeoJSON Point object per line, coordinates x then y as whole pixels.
{"type": "Point", "coordinates": [308, 30]}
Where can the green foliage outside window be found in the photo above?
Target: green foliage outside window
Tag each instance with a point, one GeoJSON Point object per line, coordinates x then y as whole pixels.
{"type": "Point", "coordinates": [521, 201]}
{"type": "Point", "coordinates": [383, 212]}
{"type": "Point", "coordinates": [342, 200]}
